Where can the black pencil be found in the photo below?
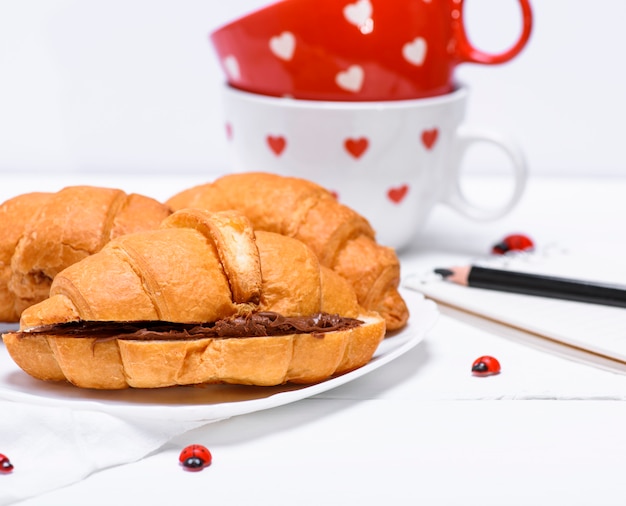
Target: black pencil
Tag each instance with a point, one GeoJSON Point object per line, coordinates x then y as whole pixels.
{"type": "Point", "coordinates": [536, 284]}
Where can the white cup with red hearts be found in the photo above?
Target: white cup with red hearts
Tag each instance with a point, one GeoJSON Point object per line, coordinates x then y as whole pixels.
{"type": "Point", "coordinates": [391, 161]}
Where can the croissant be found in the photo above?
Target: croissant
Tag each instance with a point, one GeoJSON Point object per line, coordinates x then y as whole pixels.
{"type": "Point", "coordinates": [203, 299]}
{"type": "Point", "coordinates": [42, 233]}
{"type": "Point", "coordinates": [343, 240]}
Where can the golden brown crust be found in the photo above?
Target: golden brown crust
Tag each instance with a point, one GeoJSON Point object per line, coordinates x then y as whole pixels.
{"type": "Point", "coordinates": [235, 244]}
{"type": "Point", "coordinates": [342, 239]}
{"type": "Point", "coordinates": [43, 233]}
{"type": "Point", "coordinates": [263, 361]}
{"type": "Point", "coordinates": [15, 214]}
{"type": "Point", "coordinates": [177, 274]}
{"type": "Point", "coordinates": [34, 356]}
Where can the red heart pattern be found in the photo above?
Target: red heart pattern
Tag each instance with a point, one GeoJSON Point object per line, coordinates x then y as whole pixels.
{"type": "Point", "coordinates": [277, 144]}
{"type": "Point", "coordinates": [429, 137]}
{"type": "Point", "coordinates": [356, 147]}
{"type": "Point", "coordinates": [397, 194]}
{"type": "Point", "coordinates": [229, 131]}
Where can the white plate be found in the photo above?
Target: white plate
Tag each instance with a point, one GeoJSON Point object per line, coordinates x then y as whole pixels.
{"type": "Point", "coordinates": [206, 403]}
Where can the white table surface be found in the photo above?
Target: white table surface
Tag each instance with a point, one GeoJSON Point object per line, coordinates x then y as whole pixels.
{"type": "Point", "coordinates": [422, 429]}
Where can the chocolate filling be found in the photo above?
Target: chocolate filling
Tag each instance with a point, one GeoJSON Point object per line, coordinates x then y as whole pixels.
{"type": "Point", "coordinates": [259, 324]}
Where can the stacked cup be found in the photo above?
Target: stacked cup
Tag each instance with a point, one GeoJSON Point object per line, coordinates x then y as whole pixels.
{"type": "Point", "coordinates": [360, 97]}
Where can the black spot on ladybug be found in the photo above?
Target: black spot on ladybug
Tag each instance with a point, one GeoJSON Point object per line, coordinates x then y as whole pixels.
{"type": "Point", "coordinates": [479, 367]}
{"type": "Point", "coordinates": [193, 462]}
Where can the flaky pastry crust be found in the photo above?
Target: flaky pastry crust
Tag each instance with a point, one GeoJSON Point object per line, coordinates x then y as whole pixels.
{"type": "Point", "coordinates": [43, 233]}
{"type": "Point", "coordinates": [342, 239]}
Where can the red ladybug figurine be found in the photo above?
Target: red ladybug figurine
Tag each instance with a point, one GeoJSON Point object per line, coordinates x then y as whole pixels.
{"type": "Point", "coordinates": [485, 366]}
{"type": "Point", "coordinates": [5, 464]}
{"type": "Point", "coordinates": [513, 242]}
{"type": "Point", "coordinates": [195, 457]}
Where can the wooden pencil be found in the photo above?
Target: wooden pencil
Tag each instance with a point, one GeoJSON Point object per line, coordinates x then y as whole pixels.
{"type": "Point", "coordinates": [536, 284]}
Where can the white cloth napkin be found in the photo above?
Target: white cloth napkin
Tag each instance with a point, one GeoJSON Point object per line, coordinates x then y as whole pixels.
{"type": "Point", "coordinates": [52, 447]}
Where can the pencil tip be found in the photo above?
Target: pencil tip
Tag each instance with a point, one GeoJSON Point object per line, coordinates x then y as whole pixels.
{"type": "Point", "coordinates": [444, 273]}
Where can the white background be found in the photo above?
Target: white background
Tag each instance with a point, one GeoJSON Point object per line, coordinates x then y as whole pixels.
{"type": "Point", "coordinates": [133, 85]}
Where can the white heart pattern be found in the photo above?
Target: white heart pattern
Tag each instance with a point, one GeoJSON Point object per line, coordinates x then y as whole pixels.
{"type": "Point", "coordinates": [358, 13]}
{"type": "Point", "coordinates": [232, 67]}
{"type": "Point", "coordinates": [351, 79]}
{"type": "Point", "coordinates": [415, 51]}
{"type": "Point", "coordinates": [283, 45]}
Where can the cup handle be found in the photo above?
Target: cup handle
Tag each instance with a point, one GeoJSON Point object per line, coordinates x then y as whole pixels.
{"type": "Point", "coordinates": [468, 53]}
{"type": "Point", "coordinates": [455, 197]}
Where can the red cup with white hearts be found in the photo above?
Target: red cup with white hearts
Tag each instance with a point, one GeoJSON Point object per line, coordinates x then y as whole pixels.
{"type": "Point", "coordinates": [391, 161]}
{"type": "Point", "coordinates": [354, 50]}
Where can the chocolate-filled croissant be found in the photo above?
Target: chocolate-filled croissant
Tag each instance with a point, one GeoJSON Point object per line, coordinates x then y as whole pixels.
{"type": "Point", "coordinates": [343, 240]}
{"type": "Point", "coordinates": [203, 299]}
{"type": "Point", "coordinates": [42, 233]}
